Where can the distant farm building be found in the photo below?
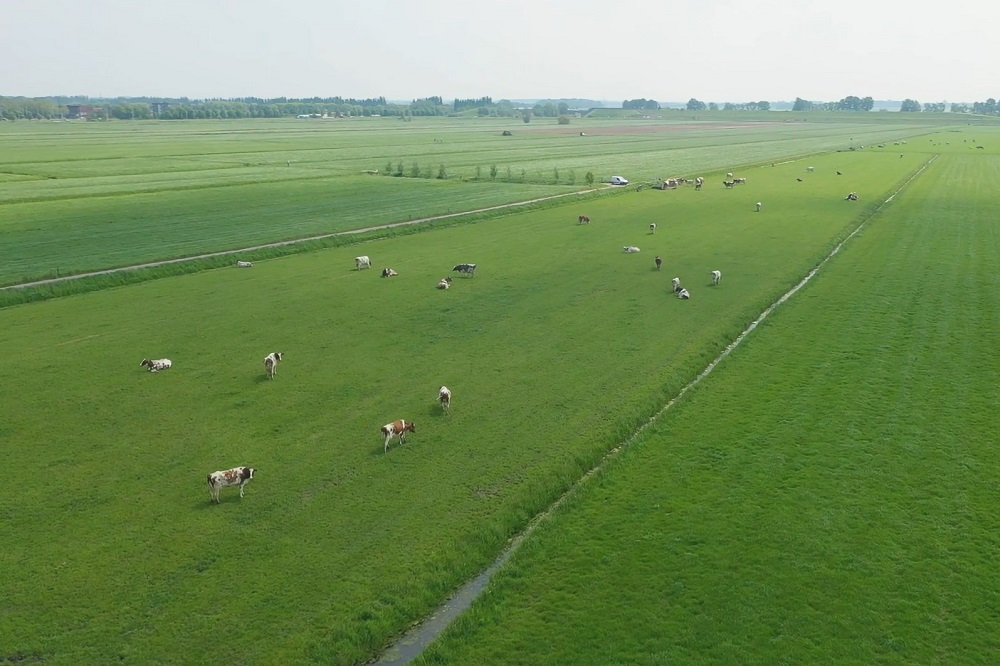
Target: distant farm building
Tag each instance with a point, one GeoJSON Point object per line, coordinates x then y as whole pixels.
{"type": "Point", "coordinates": [83, 111]}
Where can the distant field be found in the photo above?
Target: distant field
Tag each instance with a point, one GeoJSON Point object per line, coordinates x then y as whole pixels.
{"type": "Point", "coordinates": [78, 197]}
{"type": "Point", "coordinates": [828, 495]}
{"type": "Point", "coordinates": [556, 351]}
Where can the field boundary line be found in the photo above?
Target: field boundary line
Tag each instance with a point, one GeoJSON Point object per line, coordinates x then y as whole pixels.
{"type": "Point", "coordinates": [413, 642]}
{"type": "Point", "coordinates": [296, 241]}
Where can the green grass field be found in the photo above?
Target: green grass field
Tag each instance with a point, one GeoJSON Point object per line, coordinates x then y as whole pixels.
{"type": "Point", "coordinates": [85, 197]}
{"type": "Point", "coordinates": [826, 496]}
{"type": "Point", "coordinates": [556, 351]}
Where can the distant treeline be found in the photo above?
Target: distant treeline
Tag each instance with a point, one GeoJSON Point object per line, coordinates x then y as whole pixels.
{"type": "Point", "coordinates": [145, 108]}
{"type": "Point", "coordinates": [852, 103]}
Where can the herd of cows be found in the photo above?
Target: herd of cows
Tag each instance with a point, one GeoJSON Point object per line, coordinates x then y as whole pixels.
{"type": "Point", "coordinates": [240, 476]}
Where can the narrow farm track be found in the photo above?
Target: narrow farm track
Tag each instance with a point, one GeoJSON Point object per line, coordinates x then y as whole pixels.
{"type": "Point", "coordinates": [415, 641]}
{"type": "Point", "coordinates": [207, 255]}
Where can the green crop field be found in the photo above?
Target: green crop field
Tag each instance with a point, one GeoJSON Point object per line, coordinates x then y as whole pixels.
{"type": "Point", "coordinates": [558, 349]}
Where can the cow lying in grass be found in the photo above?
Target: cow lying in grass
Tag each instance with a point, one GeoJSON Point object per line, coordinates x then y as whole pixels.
{"type": "Point", "coordinates": [155, 365]}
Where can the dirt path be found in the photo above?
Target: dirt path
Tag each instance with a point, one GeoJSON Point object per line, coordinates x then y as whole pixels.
{"type": "Point", "coordinates": [414, 641]}
{"type": "Point", "coordinates": [109, 271]}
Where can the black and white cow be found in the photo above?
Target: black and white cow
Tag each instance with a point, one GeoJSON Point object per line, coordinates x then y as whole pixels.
{"type": "Point", "coordinates": [230, 477]}
{"type": "Point", "coordinates": [271, 364]}
{"type": "Point", "coordinates": [467, 269]}
{"type": "Point", "coordinates": [156, 364]}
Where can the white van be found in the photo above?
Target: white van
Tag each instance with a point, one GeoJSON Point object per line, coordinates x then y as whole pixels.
{"type": "Point", "coordinates": [618, 180]}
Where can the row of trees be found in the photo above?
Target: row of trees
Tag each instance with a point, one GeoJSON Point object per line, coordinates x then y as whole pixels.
{"type": "Point", "coordinates": [697, 105]}
{"type": "Point", "coordinates": [849, 103]}
{"type": "Point", "coordinates": [142, 108]}
{"type": "Point", "coordinates": [641, 104]}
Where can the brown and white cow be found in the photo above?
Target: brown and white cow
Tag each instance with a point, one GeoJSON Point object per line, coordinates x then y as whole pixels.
{"type": "Point", "coordinates": [444, 397]}
{"type": "Point", "coordinates": [230, 477]}
{"type": "Point", "coordinates": [271, 364]}
{"type": "Point", "coordinates": [397, 429]}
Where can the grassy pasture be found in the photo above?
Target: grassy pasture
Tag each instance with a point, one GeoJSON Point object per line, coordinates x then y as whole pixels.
{"type": "Point", "coordinates": [828, 495]}
{"type": "Point", "coordinates": [77, 197]}
{"type": "Point", "coordinates": [555, 351]}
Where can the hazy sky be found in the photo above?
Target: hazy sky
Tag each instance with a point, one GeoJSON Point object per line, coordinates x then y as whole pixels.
{"type": "Point", "coordinates": [714, 50]}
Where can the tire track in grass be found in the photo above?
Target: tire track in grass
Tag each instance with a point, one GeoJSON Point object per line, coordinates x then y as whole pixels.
{"type": "Point", "coordinates": [348, 232]}
{"type": "Point", "coordinates": [417, 638]}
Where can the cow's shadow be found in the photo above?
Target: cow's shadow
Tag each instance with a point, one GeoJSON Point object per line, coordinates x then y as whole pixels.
{"type": "Point", "coordinates": [210, 503]}
{"type": "Point", "coordinates": [436, 409]}
{"type": "Point", "coordinates": [393, 445]}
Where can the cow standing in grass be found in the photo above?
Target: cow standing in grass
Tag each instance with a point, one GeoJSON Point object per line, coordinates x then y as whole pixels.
{"type": "Point", "coordinates": [271, 364]}
{"type": "Point", "coordinates": [396, 429]}
{"type": "Point", "coordinates": [231, 477]}
{"type": "Point", "coordinates": [466, 269]}
{"type": "Point", "coordinates": [444, 397]}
